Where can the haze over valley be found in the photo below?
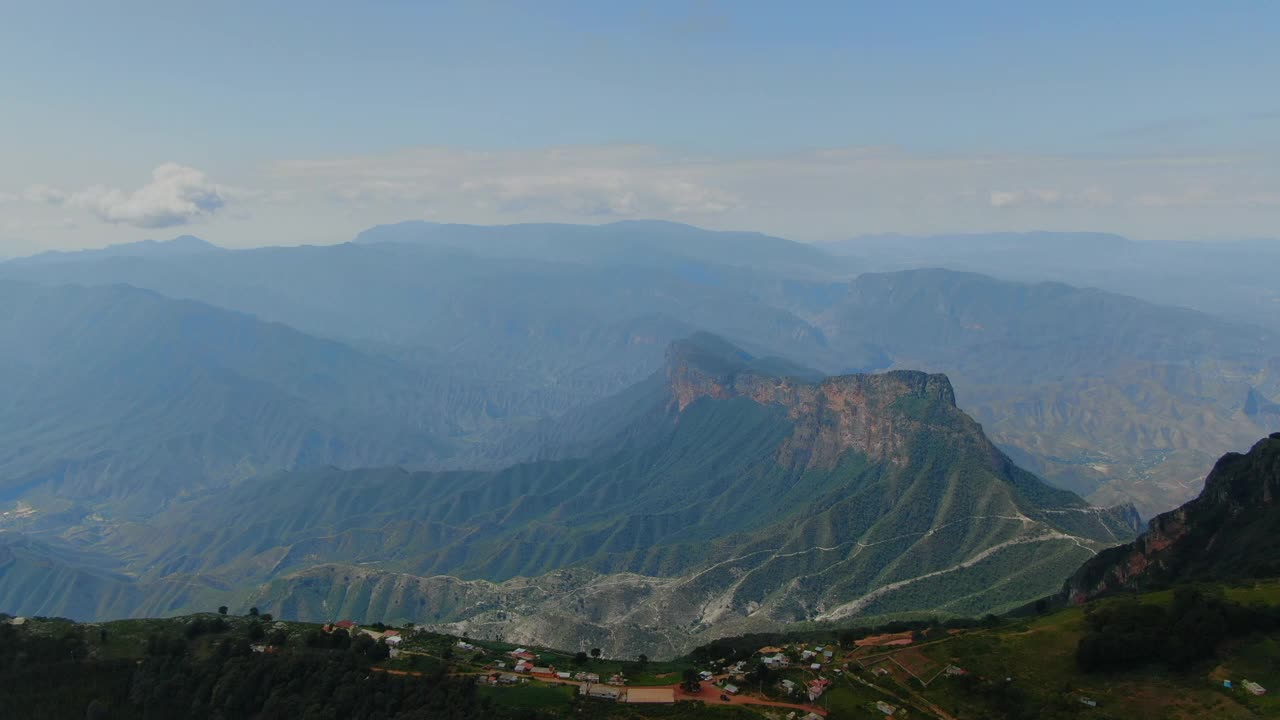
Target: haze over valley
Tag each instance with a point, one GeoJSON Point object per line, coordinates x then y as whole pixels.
{"type": "Point", "coordinates": [562, 434]}
{"type": "Point", "coordinates": [625, 361]}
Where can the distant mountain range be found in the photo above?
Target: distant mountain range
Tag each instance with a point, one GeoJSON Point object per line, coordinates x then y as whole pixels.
{"type": "Point", "coordinates": [119, 394]}
{"type": "Point", "coordinates": [639, 434]}
{"type": "Point", "coordinates": [1112, 397]}
{"type": "Point", "coordinates": [733, 499]}
{"type": "Point", "coordinates": [181, 245]}
{"type": "Point", "coordinates": [1229, 278]}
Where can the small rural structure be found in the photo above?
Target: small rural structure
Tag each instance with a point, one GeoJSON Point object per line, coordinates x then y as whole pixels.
{"type": "Point", "coordinates": [651, 696]}
{"type": "Point", "coordinates": [600, 692]}
{"type": "Point", "coordinates": [776, 661]}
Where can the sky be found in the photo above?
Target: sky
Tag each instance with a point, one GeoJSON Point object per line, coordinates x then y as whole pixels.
{"type": "Point", "coordinates": [282, 123]}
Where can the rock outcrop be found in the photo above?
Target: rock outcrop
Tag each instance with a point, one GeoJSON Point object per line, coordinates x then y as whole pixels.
{"type": "Point", "coordinates": [1229, 531]}
{"type": "Point", "coordinates": [833, 416]}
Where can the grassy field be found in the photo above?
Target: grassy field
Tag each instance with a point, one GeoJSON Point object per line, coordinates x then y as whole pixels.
{"type": "Point", "coordinates": [1035, 662]}
{"type": "Point", "coordinates": [532, 695]}
{"type": "Point", "coordinates": [1024, 668]}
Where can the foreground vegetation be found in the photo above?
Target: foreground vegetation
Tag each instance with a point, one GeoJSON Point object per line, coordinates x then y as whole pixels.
{"type": "Point", "coordinates": [1157, 655]}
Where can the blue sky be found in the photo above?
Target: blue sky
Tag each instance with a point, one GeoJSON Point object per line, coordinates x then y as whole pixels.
{"type": "Point", "coordinates": [811, 120]}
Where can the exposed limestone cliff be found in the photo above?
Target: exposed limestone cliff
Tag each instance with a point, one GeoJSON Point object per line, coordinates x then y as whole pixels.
{"type": "Point", "coordinates": [832, 417]}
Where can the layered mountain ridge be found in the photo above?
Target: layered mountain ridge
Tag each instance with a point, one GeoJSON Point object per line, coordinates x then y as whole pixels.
{"type": "Point", "coordinates": [509, 327]}
{"type": "Point", "coordinates": [752, 496]}
{"type": "Point", "coordinates": [1231, 531]}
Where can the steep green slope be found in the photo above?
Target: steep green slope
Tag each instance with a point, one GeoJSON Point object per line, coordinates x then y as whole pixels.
{"type": "Point", "coordinates": [39, 579]}
{"type": "Point", "coordinates": [118, 394]}
{"type": "Point", "coordinates": [1111, 397]}
{"type": "Point", "coordinates": [1231, 531]}
{"type": "Point", "coordinates": [748, 499]}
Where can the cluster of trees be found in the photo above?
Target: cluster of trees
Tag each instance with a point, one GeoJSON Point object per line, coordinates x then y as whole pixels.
{"type": "Point", "coordinates": [690, 681]}
{"type": "Point", "coordinates": [1127, 633]}
{"type": "Point", "coordinates": [215, 674]}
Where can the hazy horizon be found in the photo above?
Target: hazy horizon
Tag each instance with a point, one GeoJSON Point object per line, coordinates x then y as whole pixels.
{"type": "Point", "coordinates": [193, 232]}
{"type": "Point", "coordinates": [252, 130]}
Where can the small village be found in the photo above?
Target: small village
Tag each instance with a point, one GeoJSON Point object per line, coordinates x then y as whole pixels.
{"type": "Point", "coordinates": [789, 681]}
{"type": "Point", "coordinates": [887, 675]}
{"type": "Point", "coordinates": [943, 671]}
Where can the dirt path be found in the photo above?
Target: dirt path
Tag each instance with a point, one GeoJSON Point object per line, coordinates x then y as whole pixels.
{"type": "Point", "coordinates": [711, 696]}
{"type": "Point", "coordinates": [389, 671]}
{"type": "Point", "coordinates": [914, 700]}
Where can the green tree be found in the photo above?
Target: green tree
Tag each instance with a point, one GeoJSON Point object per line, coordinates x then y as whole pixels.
{"type": "Point", "coordinates": [579, 658]}
{"type": "Point", "coordinates": [644, 659]}
{"type": "Point", "coordinates": [222, 609]}
{"type": "Point", "coordinates": [253, 611]}
{"type": "Point", "coordinates": [595, 653]}
{"type": "Point", "coordinates": [689, 681]}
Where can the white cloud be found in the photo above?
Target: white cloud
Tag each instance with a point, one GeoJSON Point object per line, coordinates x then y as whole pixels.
{"type": "Point", "coordinates": [44, 194]}
{"type": "Point", "coordinates": [582, 182]}
{"type": "Point", "coordinates": [1189, 197]}
{"type": "Point", "coordinates": [826, 193]}
{"type": "Point", "coordinates": [176, 195]}
{"type": "Point", "coordinates": [1004, 198]}
{"type": "Point", "coordinates": [1261, 200]}
{"type": "Point", "coordinates": [820, 194]}
{"type": "Point", "coordinates": [1029, 197]}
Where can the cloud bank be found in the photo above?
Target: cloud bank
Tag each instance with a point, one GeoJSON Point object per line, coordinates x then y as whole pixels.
{"type": "Point", "coordinates": [176, 195]}
{"type": "Point", "coordinates": [818, 194]}
{"type": "Point", "coordinates": [822, 194]}
{"type": "Point", "coordinates": [585, 182]}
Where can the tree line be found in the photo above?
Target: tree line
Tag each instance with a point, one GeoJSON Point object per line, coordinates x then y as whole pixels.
{"type": "Point", "coordinates": [1126, 633]}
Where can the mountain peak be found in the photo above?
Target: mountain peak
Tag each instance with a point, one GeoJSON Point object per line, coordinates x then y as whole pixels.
{"type": "Point", "coordinates": [867, 413]}
{"type": "Point", "coordinates": [181, 245]}
{"type": "Point", "coordinates": [190, 242]}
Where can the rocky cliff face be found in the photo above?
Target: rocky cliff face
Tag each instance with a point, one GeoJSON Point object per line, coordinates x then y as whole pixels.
{"type": "Point", "coordinates": [1229, 531]}
{"type": "Point", "coordinates": [862, 413]}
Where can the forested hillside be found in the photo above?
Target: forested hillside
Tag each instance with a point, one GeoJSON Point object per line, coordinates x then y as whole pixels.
{"type": "Point", "coordinates": [507, 327]}
{"type": "Point", "coordinates": [737, 498]}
